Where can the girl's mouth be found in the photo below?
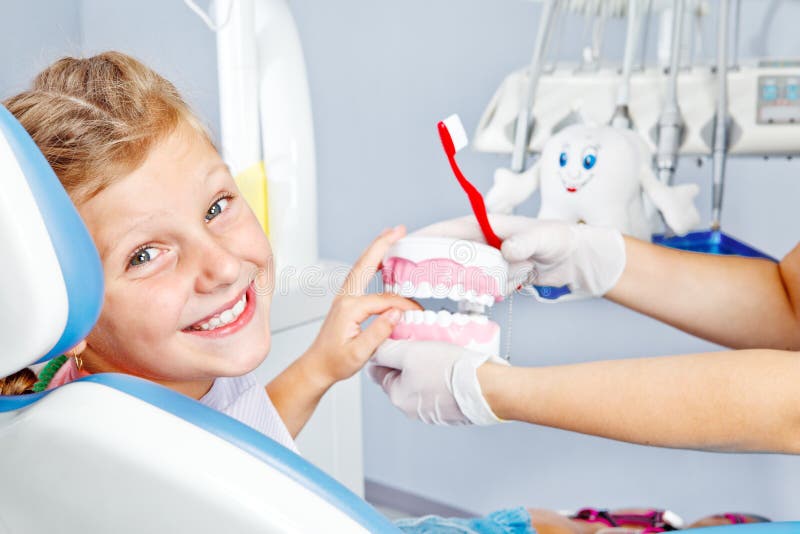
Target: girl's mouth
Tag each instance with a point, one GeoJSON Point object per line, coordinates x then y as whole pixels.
{"type": "Point", "coordinates": [228, 321]}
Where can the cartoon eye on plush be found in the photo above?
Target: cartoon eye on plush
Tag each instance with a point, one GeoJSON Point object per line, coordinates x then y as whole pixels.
{"type": "Point", "coordinates": [589, 158]}
{"type": "Point", "coordinates": [562, 159]}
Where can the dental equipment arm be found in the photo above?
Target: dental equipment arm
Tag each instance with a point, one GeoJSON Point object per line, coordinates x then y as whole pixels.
{"type": "Point", "coordinates": [622, 117]}
{"type": "Point", "coordinates": [733, 301]}
{"type": "Point", "coordinates": [670, 123]}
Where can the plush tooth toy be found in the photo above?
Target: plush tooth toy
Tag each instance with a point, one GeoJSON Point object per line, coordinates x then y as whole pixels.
{"type": "Point", "coordinates": [601, 176]}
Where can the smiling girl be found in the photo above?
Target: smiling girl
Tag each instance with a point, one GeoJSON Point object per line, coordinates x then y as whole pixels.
{"type": "Point", "coordinates": [182, 252]}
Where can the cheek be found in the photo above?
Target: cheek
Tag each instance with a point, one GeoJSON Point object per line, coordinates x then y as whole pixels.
{"type": "Point", "coordinates": [152, 312]}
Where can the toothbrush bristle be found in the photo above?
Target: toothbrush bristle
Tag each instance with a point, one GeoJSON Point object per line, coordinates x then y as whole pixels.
{"type": "Point", "coordinates": [457, 132]}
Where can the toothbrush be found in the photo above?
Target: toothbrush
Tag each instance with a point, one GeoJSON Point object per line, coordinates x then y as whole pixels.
{"type": "Point", "coordinates": [454, 138]}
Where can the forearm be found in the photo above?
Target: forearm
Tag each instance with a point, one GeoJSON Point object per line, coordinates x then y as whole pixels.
{"type": "Point", "coordinates": [728, 401]}
{"type": "Point", "coordinates": [296, 392]}
{"type": "Point", "coordinates": [736, 302]}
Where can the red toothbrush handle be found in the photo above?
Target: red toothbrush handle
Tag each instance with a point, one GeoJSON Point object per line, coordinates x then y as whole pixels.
{"type": "Point", "coordinates": [475, 197]}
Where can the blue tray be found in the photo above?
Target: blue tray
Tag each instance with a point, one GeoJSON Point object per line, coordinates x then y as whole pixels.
{"type": "Point", "coordinates": [711, 242]}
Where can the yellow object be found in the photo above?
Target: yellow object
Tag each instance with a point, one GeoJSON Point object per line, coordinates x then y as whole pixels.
{"type": "Point", "coordinates": [252, 182]}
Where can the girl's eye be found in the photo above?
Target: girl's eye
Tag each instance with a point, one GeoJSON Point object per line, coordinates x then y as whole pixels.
{"type": "Point", "coordinates": [143, 255]}
{"type": "Point", "coordinates": [562, 159]}
{"type": "Point", "coordinates": [589, 160]}
{"type": "Point", "coordinates": [218, 207]}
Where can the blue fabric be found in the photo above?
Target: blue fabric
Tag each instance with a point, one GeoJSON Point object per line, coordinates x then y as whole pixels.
{"type": "Point", "coordinates": [77, 256]}
{"type": "Point", "coordinates": [510, 521]}
{"type": "Point", "coordinates": [711, 242]}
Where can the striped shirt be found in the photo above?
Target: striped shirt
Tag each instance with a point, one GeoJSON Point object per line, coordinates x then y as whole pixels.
{"type": "Point", "coordinates": [244, 399]}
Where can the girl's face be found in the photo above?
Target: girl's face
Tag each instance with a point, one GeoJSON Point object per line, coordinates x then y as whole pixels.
{"type": "Point", "coordinates": [183, 257]}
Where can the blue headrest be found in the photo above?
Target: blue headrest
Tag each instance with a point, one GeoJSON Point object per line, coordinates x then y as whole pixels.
{"type": "Point", "coordinates": [50, 274]}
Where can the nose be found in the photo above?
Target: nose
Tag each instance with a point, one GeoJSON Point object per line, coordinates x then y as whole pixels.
{"type": "Point", "coordinates": [217, 266]}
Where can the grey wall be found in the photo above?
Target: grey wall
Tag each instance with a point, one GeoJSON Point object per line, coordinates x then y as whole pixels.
{"type": "Point", "coordinates": [382, 74]}
{"type": "Point", "coordinates": [33, 34]}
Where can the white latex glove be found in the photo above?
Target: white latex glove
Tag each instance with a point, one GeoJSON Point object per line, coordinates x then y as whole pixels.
{"type": "Point", "coordinates": [587, 259]}
{"type": "Point", "coordinates": [433, 381]}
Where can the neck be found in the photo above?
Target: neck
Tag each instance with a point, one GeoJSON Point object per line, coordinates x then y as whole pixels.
{"type": "Point", "coordinates": [93, 364]}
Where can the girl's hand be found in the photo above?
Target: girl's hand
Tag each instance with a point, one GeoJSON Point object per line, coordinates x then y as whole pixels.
{"type": "Point", "coordinates": [342, 347]}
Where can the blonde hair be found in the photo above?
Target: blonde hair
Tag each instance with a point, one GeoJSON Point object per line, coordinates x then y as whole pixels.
{"type": "Point", "coordinates": [95, 120]}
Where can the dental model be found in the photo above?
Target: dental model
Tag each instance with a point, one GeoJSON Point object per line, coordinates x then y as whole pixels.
{"type": "Point", "coordinates": [600, 176]}
{"type": "Point", "coordinates": [470, 273]}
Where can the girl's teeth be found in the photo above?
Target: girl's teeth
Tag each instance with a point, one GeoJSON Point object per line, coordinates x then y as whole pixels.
{"type": "Point", "coordinates": [228, 316]}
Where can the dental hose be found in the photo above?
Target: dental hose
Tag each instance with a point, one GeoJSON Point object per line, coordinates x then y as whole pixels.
{"type": "Point", "coordinates": [670, 124]}
{"type": "Point", "coordinates": [524, 126]}
{"type": "Point", "coordinates": [622, 116]}
{"type": "Point", "coordinates": [721, 118]}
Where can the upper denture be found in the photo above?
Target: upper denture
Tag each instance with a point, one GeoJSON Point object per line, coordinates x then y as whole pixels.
{"type": "Point", "coordinates": [439, 278]}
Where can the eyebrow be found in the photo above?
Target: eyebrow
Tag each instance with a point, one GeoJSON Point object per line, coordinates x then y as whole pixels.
{"type": "Point", "coordinates": [117, 236]}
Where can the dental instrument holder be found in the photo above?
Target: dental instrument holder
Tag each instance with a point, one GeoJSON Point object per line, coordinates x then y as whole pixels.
{"type": "Point", "coordinates": [671, 127]}
{"type": "Point", "coordinates": [523, 129]}
{"type": "Point", "coordinates": [622, 117]}
{"type": "Point", "coordinates": [714, 241]}
{"type": "Point", "coordinates": [525, 120]}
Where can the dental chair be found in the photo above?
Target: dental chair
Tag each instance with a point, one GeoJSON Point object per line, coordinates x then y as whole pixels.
{"type": "Point", "coordinates": [114, 453]}
{"type": "Point", "coordinates": [110, 452]}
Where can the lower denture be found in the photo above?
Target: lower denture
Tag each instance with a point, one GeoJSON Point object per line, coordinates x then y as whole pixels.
{"type": "Point", "coordinates": [471, 332]}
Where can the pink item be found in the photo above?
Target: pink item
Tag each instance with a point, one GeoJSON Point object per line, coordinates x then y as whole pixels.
{"type": "Point", "coordinates": [471, 331]}
{"type": "Point", "coordinates": [442, 274]}
{"type": "Point", "coordinates": [67, 373]}
{"type": "Point", "coordinates": [433, 267]}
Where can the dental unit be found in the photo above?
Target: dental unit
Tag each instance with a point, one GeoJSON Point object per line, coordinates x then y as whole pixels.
{"type": "Point", "coordinates": [470, 273]}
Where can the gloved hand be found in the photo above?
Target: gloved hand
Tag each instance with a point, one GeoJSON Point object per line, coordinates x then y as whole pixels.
{"type": "Point", "coordinates": [433, 381]}
{"type": "Point", "coordinates": [587, 259]}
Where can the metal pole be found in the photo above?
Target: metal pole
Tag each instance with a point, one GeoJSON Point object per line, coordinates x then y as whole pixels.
{"type": "Point", "coordinates": [524, 126]}
{"type": "Point", "coordinates": [670, 123]}
{"type": "Point", "coordinates": [721, 118]}
{"type": "Point", "coordinates": [622, 117]}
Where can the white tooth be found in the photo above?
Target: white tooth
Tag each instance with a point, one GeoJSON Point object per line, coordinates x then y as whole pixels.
{"type": "Point", "coordinates": [456, 292]}
{"type": "Point", "coordinates": [407, 289]}
{"type": "Point", "coordinates": [226, 317]}
{"type": "Point", "coordinates": [395, 288]}
{"type": "Point", "coordinates": [444, 318]}
{"type": "Point", "coordinates": [460, 319]}
{"type": "Point", "coordinates": [486, 300]}
{"type": "Point", "coordinates": [480, 319]}
{"type": "Point", "coordinates": [214, 322]}
{"type": "Point", "coordinates": [238, 308]}
{"type": "Point", "coordinates": [430, 317]}
{"type": "Point", "coordinates": [408, 316]}
{"type": "Point", "coordinates": [424, 290]}
{"type": "Point", "coordinates": [205, 326]}
{"type": "Point", "coordinates": [471, 296]}
{"type": "Point", "coordinates": [419, 316]}
{"type": "Point", "coordinates": [440, 291]}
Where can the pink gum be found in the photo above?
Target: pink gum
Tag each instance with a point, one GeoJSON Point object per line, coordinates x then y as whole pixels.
{"type": "Point", "coordinates": [440, 272]}
{"type": "Point", "coordinates": [458, 334]}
